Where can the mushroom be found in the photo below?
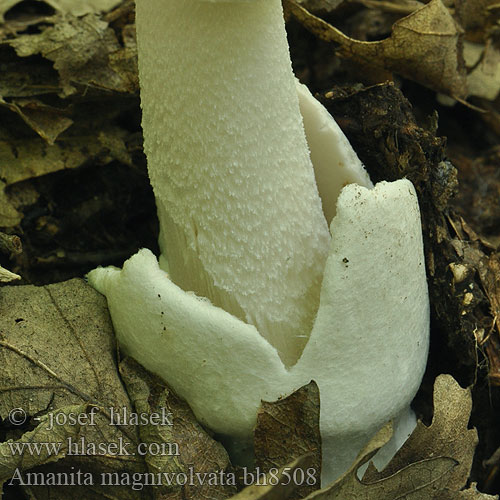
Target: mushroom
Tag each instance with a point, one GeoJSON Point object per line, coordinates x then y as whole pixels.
{"type": "Point", "coordinates": [260, 299]}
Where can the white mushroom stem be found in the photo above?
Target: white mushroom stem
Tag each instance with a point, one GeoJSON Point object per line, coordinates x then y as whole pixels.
{"type": "Point", "coordinates": [241, 218]}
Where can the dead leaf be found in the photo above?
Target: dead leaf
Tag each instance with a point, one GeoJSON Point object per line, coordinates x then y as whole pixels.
{"type": "Point", "coordinates": [76, 54]}
{"type": "Point", "coordinates": [185, 447]}
{"type": "Point", "coordinates": [424, 46]}
{"type": "Point", "coordinates": [57, 350]}
{"type": "Point", "coordinates": [447, 436]}
{"type": "Point", "coordinates": [349, 479]}
{"type": "Point", "coordinates": [276, 486]}
{"type": "Point", "coordinates": [434, 462]}
{"type": "Point", "coordinates": [484, 80]}
{"type": "Point", "coordinates": [47, 121]}
{"type": "Point", "coordinates": [17, 456]}
{"type": "Point", "coordinates": [74, 7]}
{"type": "Point", "coordinates": [288, 429]}
{"type": "Point", "coordinates": [82, 7]}
{"type": "Point", "coordinates": [24, 158]}
{"type": "Point", "coordinates": [80, 49]}
{"type": "Point", "coordinates": [415, 482]}
{"type": "Point", "coordinates": [469, 494]}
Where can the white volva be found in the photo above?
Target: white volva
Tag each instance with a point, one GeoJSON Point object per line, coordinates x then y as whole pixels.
{"type": "Point", "coordinates": [244, 220]}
